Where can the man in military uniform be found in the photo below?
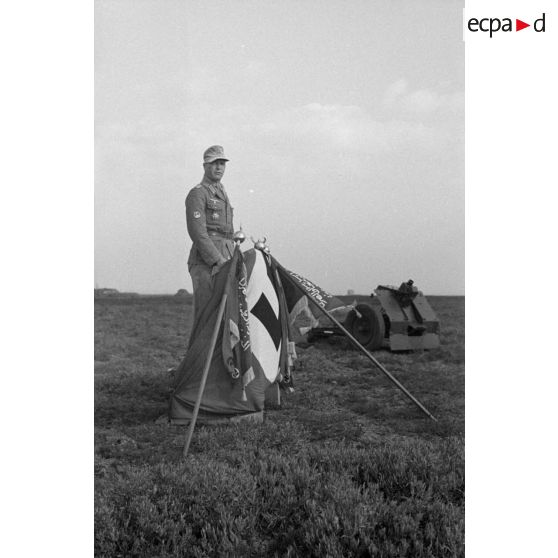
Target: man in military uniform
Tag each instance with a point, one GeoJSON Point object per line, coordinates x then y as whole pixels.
{"type": "Point", "coordinates": [209, 216]}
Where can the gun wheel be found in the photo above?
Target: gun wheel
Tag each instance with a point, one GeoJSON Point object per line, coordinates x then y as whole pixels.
{"type": "Point", "coordinates": [369, 329]}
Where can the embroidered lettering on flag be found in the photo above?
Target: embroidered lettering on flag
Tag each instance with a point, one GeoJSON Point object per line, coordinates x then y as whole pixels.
{"type": "Point", "coordinates": [239, 358]}
{"type": "Point", "coordinates": [244, 327]}
{"type": "Point", "coordinates": [299, 290]}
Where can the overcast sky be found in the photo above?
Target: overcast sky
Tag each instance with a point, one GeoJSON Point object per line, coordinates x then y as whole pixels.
{"type": "Point", "coordinates": [343, 122]}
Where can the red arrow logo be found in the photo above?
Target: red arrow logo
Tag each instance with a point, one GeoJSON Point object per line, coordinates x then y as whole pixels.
{"type": "Point", "coordinates": [519, 25]}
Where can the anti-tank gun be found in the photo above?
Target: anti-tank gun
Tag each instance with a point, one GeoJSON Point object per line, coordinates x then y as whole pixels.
{"type": "Point", "coordinates": [396, 318]}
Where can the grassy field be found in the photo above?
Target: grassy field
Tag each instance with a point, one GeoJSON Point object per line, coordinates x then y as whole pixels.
{"type": "Point", "coordinates": [347, 467]}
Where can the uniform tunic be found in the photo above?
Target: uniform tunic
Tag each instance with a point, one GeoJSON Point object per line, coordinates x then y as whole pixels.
{"type": "Point", "coordinates": [209, 217]}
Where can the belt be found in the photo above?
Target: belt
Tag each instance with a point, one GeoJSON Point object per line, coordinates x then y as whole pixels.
{"type": "Point", "coordinates": [217, 234]}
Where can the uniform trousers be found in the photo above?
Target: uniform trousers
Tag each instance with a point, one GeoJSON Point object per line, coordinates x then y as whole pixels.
{"type": "Point", "coordinates": [203, 287]}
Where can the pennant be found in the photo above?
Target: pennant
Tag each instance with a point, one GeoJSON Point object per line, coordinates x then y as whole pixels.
{"type": "Point", "coordinates": [299, 291]}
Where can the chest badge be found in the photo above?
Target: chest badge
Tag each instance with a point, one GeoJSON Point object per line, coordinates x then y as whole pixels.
{"type": "Point", "coordinates": [215, 215]}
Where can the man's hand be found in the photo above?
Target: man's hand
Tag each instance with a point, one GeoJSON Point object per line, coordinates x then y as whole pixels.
{"type": "Point", "coordinates": [216, 267]}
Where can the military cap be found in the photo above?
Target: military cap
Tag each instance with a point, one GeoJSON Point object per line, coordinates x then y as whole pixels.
{"type": "Point", "coordinates": [214, 153]}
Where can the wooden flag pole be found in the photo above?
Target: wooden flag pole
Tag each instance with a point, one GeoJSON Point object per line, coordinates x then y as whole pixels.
{"type": "Point", "coordinates": [205, 374]}
{"type": "Point", "coordinates": [376, 363]}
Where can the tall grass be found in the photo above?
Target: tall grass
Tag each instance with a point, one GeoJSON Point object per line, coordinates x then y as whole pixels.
{"type": "Point", "coordinates": [263, 491]}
